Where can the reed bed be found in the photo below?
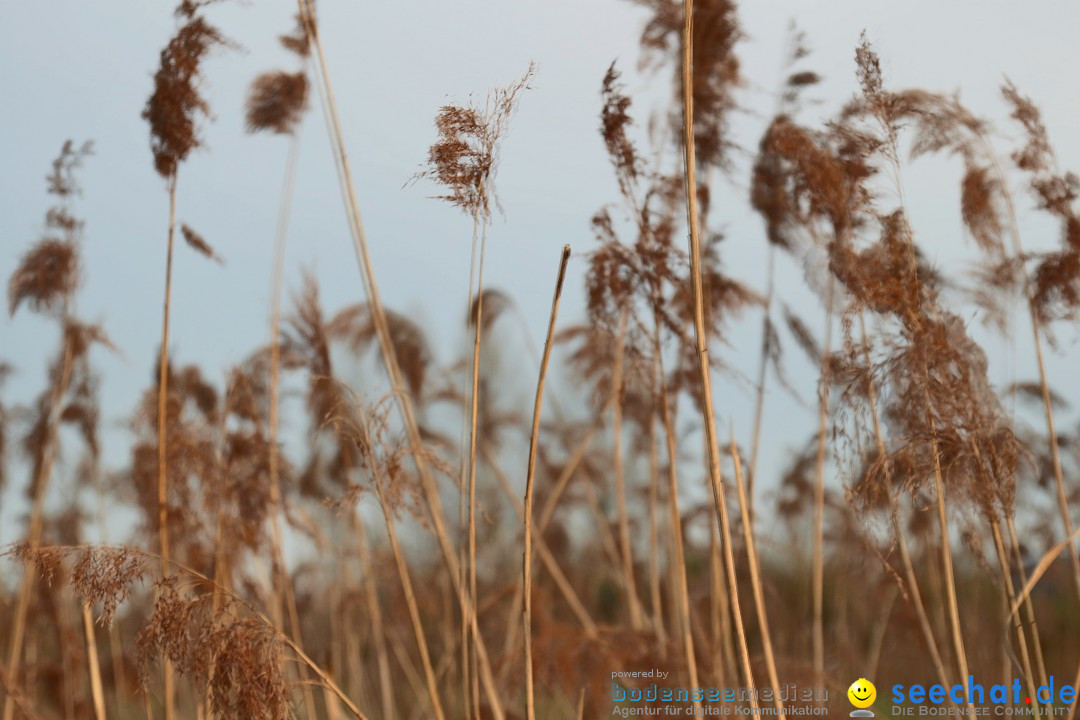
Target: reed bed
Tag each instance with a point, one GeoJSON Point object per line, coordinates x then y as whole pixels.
{"type": "Point", "coordinates": [923, 534]}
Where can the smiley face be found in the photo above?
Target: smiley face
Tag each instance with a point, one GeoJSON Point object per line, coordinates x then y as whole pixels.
{"type": "Point", "coordinates": [862, 693]}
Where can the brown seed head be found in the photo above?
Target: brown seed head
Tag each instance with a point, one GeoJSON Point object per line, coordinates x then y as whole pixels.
{"type": "Point", "coordinates": [465, 157]}
{"type": "Point", "coordinates": [276, 102]}
{"type": "Point", "coordinates": [176, 102]}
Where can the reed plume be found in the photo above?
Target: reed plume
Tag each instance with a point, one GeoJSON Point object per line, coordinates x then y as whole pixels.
{"type": "Point", "coordinates": [269, 578]}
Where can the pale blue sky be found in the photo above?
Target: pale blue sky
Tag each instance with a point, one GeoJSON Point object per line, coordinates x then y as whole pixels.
{"type": "Point", "coordinates": [83, 71]}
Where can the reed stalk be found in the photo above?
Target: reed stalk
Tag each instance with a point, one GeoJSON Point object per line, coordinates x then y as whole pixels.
{"type": "Point", "coordinates": [162, 434]}
{"type": "Point", "coordinates": [755, 581]}
{"type": "Point", "coordinates": [371, 596]}
{"type": "Point", "coordinates": [763, 366]}
{"type": "Point", "coordinates": [407, 590]}
{"type": "Point", "coordinates": [466, 509]}
{"type": "Point", "coordinates": [34, 531]}
{"type": "Point", "coordinates": [540, 526]}
{"type": "Point", "coordinates": [626, 554]}
{"type": "Point", "coordinates": [891, 152]}
{"type": "Point", "coordinates": [701, 338]}
{"type": "Point", "coordinates": [1010, 599]}
{"type": "Point", "coordinates": [654, 535]}
{"type": "Point", "coordinates": [559, 487]}
{"type": "Point", "coordinates": [551, 564]}
{"type": "Point", "coordinates": [282, 582]}
{"type": "Point", "coordinates": [534, 443]}
{"type": "Point", "coordinates": [1037, 341]}
{"type": "Point", "coordinates": [97, 690]}
{"type": "Point", "coordinates": [675, 521]}
{"type": "Point", "coordinates": [947, 564]}
{"type": "Point", "coordinates": [1029, 610]}
{"type": "Point", "coordinates": [474, 405]}
{"type": "Point", "coordinates": [818, 581]}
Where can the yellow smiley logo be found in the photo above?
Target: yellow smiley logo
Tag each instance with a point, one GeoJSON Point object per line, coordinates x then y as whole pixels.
{"type": "Point", "coordinates": [862, 693]}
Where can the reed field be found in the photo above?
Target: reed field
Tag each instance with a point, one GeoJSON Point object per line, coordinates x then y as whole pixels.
{"type": "Point", "coordinates": [365, 516]}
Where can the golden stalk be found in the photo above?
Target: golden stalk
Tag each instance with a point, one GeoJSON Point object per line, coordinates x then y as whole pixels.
{"type": "Point", "coordinates": [33, 537]}
{"type": "Point", "coordinates": [97, 691]}
{"type": "Point", "coordinates": [534, 442]}
{"type": "Point", "coordinates": [818, 581]}
{"type": "Point", "coordinates": [701, 338]}
{"type": "Point", "coordinates": [755, 581]}
{"type": "Point", "coordinates": [626, 555]}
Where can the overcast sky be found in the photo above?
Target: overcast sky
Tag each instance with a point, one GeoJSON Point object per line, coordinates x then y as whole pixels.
{"type": "Point", "coordinates": [83, 70]}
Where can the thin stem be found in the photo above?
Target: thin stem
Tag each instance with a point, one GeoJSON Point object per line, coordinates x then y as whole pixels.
{"type": "Point", "coordinates": [563, 480]}
{"type": "Point", "coordinates": [1029, 611]}
{"type": "Point", "coordinates": [947, 562]}
{"type": "Point", "coordinates": [878, 638]}
{"type": "Point", "coordinates": [534, 442]}
{"type": "Point", "coordinates": [625, 551]}
{"type": "Point", "coordinates": [464, 524]}
{"type": "Point", "coordinates": [410, 601]}
{"type": "Point", "coordinates": [119, 676]}
{"type": "Point", "coordinates": [162, 433]}
{"type": "Point", "coordinates": [546, 556]}
{"type": "Point", "coordinates": [675, 521]}
{"type": "Point", "coordinates": [474, 406]}
{"type": "Point", "coordinates": [540, 526]}
{"type": "Point", "coordinates": [408, 668]}
{"type": "Point", "coordinates": [97, 692]}
{"type": "Point", "coordinates": [1010, 597]}
{"type": "Point", "coordinates": [701, 338]}
{"type": "Point", "coordinates": [818, 581]}
{"type": "Point", "coordinates": [37, 513]}
{"type": "Point", "coordinates": [371, 594]}
{"type": "Point", "coordinates": [763, 366]}
{"type": "Point", "coordinates": [891, 152]}
{"type": "Point", "coordinates": [1044, 381]}
{"type": "Point", "coordinates": [755, 582]}
{"type": "Point", "coordinates": [282, 581]}
{"type": "Point", "coordinates": [720, 611]}
{"type": "Point", "coordinates": [654, 534]}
